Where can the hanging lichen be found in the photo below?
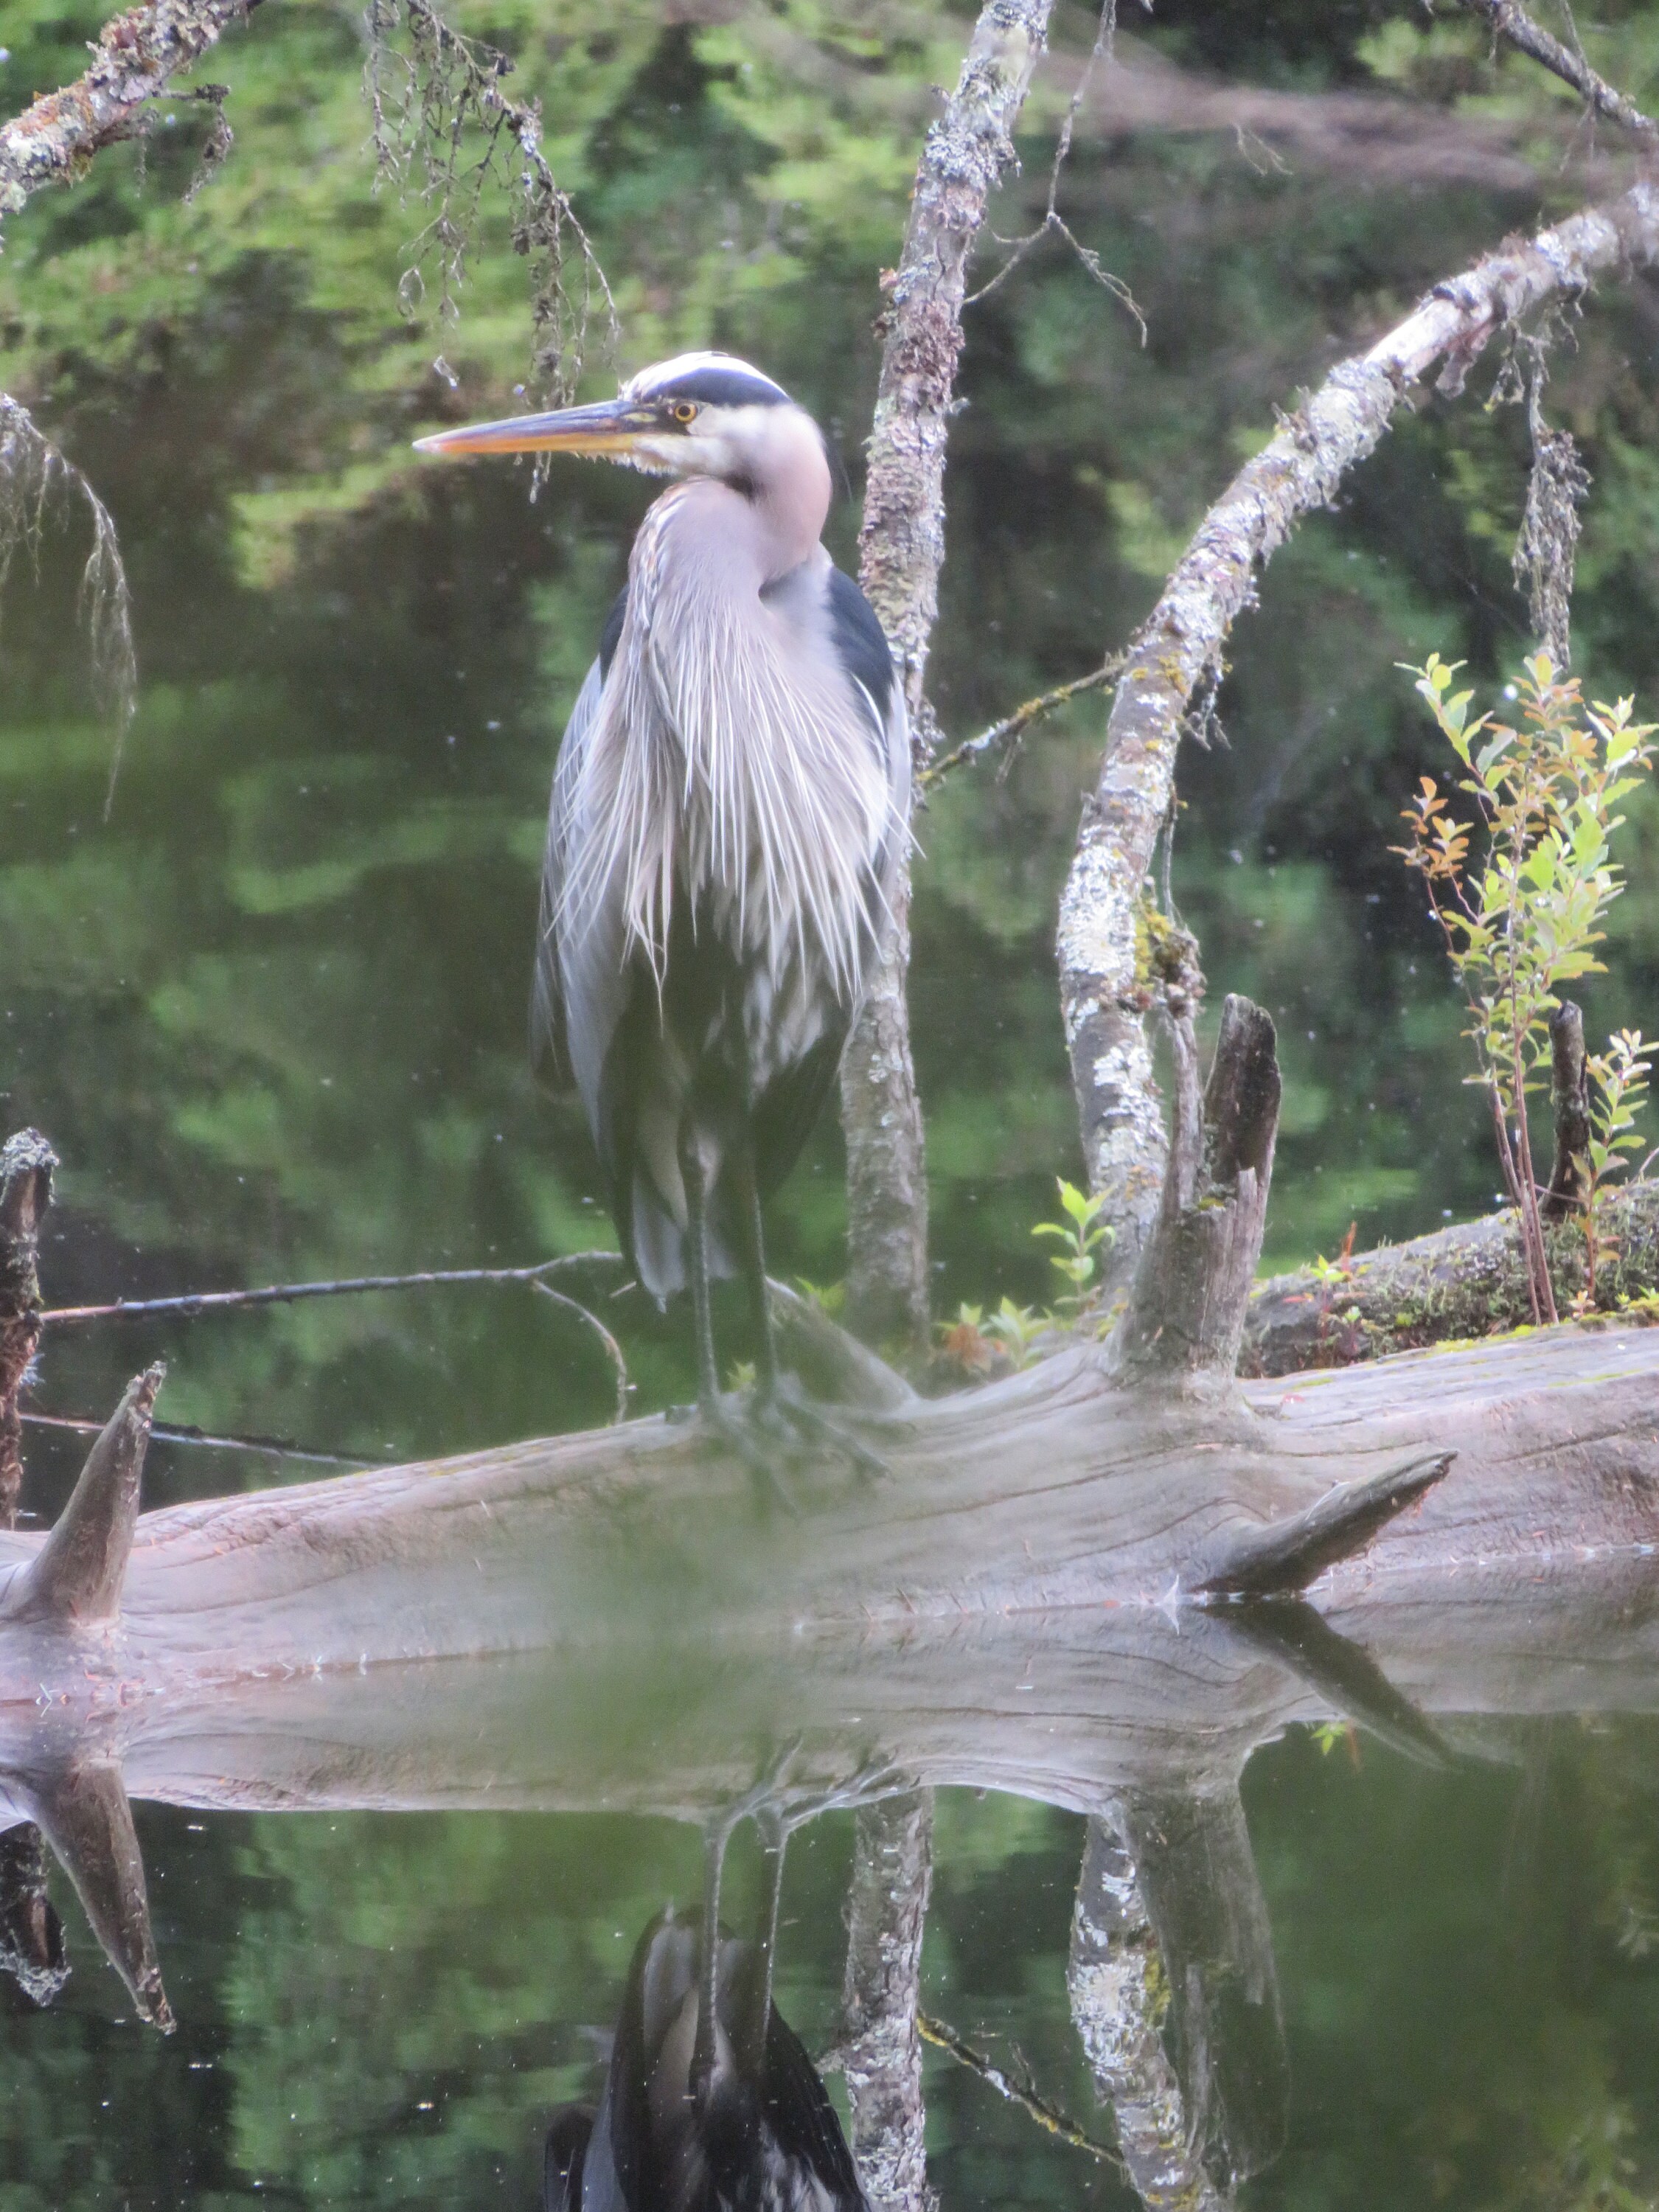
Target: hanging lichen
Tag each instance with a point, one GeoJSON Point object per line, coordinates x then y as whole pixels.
{"type": "Point", "coordinates": [1547, 549]}
{"type": "Point", "coordinates": [33, 475]}
{"type": "Point", "coordinates": [443, 128]}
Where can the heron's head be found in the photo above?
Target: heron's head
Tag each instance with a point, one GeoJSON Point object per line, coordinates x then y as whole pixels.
{"type": "Point", "coordinates": [699, 415]}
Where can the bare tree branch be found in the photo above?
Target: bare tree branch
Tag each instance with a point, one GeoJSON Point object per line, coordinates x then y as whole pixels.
{"type": "Point", "coordinates": [1023, 2093]}
{"type": "Point", "coordinates": [135, 56]}
{"type": "Point", "coordinates": [1510, 20]}
{"type": "Point", "coordinates": [1012, 727]}
{"type": "Point", "coordinates": [1178, 649]}
{"type": "Point", "coordinates": [901, 552]}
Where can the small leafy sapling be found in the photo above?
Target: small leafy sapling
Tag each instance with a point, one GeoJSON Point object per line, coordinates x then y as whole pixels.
{"type": "Point", "coordinates": [1620, 1076]}
{"type": "Point", "coordinates": [1526, 919]}
{"type": "Point", "coordinates": [1081, 1236]}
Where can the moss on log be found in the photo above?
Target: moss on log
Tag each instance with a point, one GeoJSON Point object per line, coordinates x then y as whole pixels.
{"type": "Point", "coordinates": [1458, 1284]}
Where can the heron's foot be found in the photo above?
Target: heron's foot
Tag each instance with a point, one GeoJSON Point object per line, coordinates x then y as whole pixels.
{"type": "Point", "coordinates": [735, 1425]}
{"type": "Point", "coordinates": [789, 1413]}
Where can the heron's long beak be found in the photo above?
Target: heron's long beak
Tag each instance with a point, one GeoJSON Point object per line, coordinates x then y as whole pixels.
{"type": "Point", "coordinates": [612, 426]}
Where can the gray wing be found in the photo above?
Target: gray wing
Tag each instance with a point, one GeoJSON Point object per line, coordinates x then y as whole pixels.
{"type": "Point", "coordinates": [548, 1010]}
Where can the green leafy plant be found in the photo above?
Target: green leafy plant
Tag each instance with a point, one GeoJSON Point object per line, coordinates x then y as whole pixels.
{"type": "Point", "coordinates": [1620, 1076]}
{"type": "Point", "coordinates": [1082, 1235]}
{"type": "Point", "coordinates": [1526, 919]}
{"type": "Point", "coordinates": [972, 1340]}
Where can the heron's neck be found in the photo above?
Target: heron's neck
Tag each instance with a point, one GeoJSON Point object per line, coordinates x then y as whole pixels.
{"type": "Point", "coordinates": [787, 486]}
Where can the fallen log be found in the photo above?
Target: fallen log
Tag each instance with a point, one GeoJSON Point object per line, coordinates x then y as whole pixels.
{"type": "Point", "coordinates": [1463, 1282]}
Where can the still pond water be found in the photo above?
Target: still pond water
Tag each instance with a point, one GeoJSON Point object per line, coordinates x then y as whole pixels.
{"type": "Point", "coordinates": [270, 1012]}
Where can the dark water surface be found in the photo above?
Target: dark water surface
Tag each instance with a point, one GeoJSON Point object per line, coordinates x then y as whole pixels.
{"type": "Point", "coordinates": [271, 1014]}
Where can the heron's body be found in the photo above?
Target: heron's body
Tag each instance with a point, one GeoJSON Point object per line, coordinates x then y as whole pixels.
{"type": "Point", "coordinates": [728, 818]}
{"type": "Point", "coordinates": [758, 2134]}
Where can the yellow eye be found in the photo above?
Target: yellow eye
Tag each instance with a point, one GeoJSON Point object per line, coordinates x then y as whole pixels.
{"type": "Point", "coordinates": [684, 411]}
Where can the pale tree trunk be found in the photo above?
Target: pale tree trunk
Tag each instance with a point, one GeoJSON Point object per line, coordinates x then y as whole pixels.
{"type": "Point", "coordinates": [1104, 991]}
{"type": "Point", "coordinates": [901, 551]}
{"type": "Point", "coordinates": [881, 2053]}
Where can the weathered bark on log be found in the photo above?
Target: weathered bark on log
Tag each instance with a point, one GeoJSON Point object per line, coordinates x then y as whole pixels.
{"type": "Point", "coordinates": [137, 56]}
{"type": "Point", "coordinates": [1179, 647]}
{"type": "Point", "coordinates": [1463, 1282]}
{"type": "Point", "coordinates": [901, 552]}
{"type": "Point", "coordinates": [880, 2053]}
{"type": "Point", "coordinates": [1569, 1176]}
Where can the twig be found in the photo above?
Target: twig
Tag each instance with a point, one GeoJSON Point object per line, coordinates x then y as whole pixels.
{"type": "Point", "coordinates": [189, 1303]}
{"type": "Point", "coordinates": [1510, 20]}
{"type": "Point", "coordinates": [613, 1349]}
{"type": "Point", "coordinates": [1052, 220]}
{"type": "Point", "coordinates": [1022, 2095]}
{"type": "Point", "coordinates": [448, 81]}
{"type": "Point", "coordinates": [193, 1302]}
{"type": "Point", "coordinates": [187, 1433]}
{"type": "Point", "coordinates": [1013, 727]}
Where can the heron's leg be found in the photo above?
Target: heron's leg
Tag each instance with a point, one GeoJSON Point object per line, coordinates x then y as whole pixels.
{"type": "Point", "coordinates": [773, 1832]}
{"type": "Point", "coordinates": [696, 1242]}
{"type": "Point", "coordinates": [709, 1955]}
{"type": "Point", "coordinates": [754, 1268]}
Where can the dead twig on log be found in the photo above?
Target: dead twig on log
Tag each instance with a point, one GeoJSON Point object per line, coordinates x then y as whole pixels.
{"type": "Point", "coordinates": [1178, 649]}
{"type": "Point", "coordinates": [901, 552]}
{"type": "Point", "coordinates": [1510, 21]}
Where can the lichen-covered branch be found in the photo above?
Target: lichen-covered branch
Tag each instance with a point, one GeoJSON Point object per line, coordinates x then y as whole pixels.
{"type": "Point", "coordinates": [1177, 650]}
{"type": "Point", "coordinates": [136, 57]}
{"type": "Point", "coordinates": [881, 2053]}
{"type": "Point", "coordinates": [1510, 21]}
{"type": "Point", "coordinates": [901, 552]}
{"type": "Point", "coordinates": [1120, 1995]}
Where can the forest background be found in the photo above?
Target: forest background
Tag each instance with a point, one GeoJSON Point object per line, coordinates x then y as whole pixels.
{"type": "Point", "coordinates": [271, 1010]}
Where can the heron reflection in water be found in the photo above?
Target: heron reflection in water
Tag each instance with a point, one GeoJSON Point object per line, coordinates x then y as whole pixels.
{"type": "Point", "coordinates": [729, 810]}
{"type": "Point", "coordinates": [710, 2103]}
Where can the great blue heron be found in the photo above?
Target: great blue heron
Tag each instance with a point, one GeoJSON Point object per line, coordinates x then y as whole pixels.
{"type": "Point", "coordinates": [710, 2103]}
{"type": "Point", "coordinates": [729, 809]}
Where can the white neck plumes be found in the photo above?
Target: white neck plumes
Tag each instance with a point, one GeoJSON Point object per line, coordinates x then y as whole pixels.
{"type": "Point", "coordinates": [731, 750]}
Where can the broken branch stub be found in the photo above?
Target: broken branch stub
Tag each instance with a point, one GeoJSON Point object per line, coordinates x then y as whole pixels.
{"type": "Point", "coordinates": [1186, 1312]}
{"type": "Point", "coordinates": [26, 1166]}
{"type": "Point", "coordinates": [1570, 1177]}
{"type": "Point", "coordinates": [76, 1576]}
